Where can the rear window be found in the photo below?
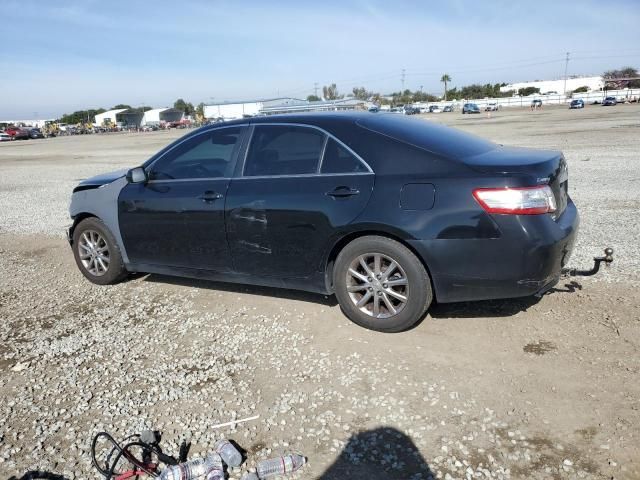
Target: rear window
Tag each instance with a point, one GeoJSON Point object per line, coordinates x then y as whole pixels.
{"type": "Point", "coordinates": [445, 141]}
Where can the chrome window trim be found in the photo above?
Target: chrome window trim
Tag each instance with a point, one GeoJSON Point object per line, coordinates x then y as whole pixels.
{"type": "Point", "coordinates": [181, 180]}
{"type": "Point", "coordinates": [213, 129]}
{"type": "Point", "coordinates": [302, 175]}
{"type": "Point", "coordinates": [328, 135]}
{"type": "Point", "coordinates": [324, 149]}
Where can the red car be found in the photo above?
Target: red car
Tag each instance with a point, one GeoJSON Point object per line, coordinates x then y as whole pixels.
{"type": "Point", "coordinates": [17, 133]}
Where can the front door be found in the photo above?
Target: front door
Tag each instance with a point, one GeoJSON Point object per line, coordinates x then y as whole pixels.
{"type": "Point", "coordinates": [297, 188]}
{"type": "Point", "coordinates": [176, 219]}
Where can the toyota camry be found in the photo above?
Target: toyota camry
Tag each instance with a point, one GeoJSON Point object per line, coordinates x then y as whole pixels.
{"type": "Point", "coordinates": [388, 213]}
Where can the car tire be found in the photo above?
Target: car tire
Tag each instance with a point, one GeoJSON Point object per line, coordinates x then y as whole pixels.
{"type": "Point", "coordinates": [97, 253]}
{"type": "Point", "coordinates": [409, 277]}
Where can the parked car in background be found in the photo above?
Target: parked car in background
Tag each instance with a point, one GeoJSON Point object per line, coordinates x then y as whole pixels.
{"type": "Point", "coordinates": [609, 101]}
{"type": "Point", "coordinates": [386, 212]}
{"type": "Point", "coordinates": [5, 137]}
{"type": "Point", "coordinates": [410, 110]}
{"type": "Point", "coordinates": [448, 108]}
{"type": "Point", "coordinates": [35, 133]}
{"type": "Point", "coordinates": [491, 107]}
{"type": "Point", "coordinates": [374, 109]}
{"type": "Point", "coordinates": [435, 109]}
{"type": "Point", "coordinates": [470, 108]}
{"type": "Point", "coordinates": [17, 133]}
{"type": "Point", "coordinates": [577, 103]}
{"type": "Point", "coordinates": [535, 104]}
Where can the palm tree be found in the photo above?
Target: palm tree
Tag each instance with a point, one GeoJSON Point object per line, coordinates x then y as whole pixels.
{"type": "Point", "coordinates": [445, 79]}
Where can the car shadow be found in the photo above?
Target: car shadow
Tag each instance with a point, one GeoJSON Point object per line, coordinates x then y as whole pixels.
{"type": "Point", "coordinates": [299, 295]}
{"type": "Point", "coordinates": [477, 309]}
{"type": "Point", "coordinates": [42, 475]}
{"type": "Point", "coordinates": [381, 453]}
{"type": "Point", "coordinates": [482, 309]}
{"type": "Point", "coordinates": [496, 308]}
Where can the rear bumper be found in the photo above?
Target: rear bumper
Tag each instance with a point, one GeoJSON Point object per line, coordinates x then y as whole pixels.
{"type": "Point", "coordinates": [525, 260]}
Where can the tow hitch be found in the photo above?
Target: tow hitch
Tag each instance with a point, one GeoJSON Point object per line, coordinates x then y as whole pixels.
{"type": "Point", "coordinates": [607, 259]}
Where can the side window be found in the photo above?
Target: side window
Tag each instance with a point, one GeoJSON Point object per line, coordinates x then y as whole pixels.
{"type": "Point", "coordinates": [208, 155]}
{"type": "Point", "coordinates": [283, 150]}
{"type": "Point", "coordinates": [338, 159]}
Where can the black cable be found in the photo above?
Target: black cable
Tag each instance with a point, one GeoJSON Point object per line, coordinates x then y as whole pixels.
{"type": "Point", "coordinates": [123, 451]}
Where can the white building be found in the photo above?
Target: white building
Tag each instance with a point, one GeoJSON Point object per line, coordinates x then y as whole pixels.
{"type": "Point", "coordinates": [238, 109]}
{"type": "Point", "coordinates": [119, 116]}
{"type": "Point", "coordinates": [557, 86]}
{"type": "Point", "coordinates": [27, 123]}
{"type": "Point", "coordinates": [156, 116]}
{"type": "Point", "coordinates": [321, 106]}
{"type": "Point", "coordinates": [110, 116]}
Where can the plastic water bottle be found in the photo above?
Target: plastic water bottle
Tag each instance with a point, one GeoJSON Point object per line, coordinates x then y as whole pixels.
{"type": "Point", "coordinates": [210, 466]}
{"type": "Point", "coordinates": [280, 465]}
{"type": "Point", "coordinates": [250, 476]}
{"type": "Point", "coordinates": [229, 454]}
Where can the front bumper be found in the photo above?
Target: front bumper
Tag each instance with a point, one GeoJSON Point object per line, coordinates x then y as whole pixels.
{"type": "Point", "coordinates": [525, 260]}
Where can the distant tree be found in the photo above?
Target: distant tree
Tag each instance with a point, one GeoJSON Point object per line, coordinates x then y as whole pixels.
{"type": "Point", "coordinates": [619, 75]}
{"type": "Point", "coordinates": [187, 108]}
{"type": "Point", "coordinates": [80, 116]}
{"type": "Point", "coordinates": [121, 106]}
{"type": "Point", "coordinates": [361, 93]}
{"type": "Point", "coordinates": [523, 92]}
{"type": "Point", "coordinates": [330, 92]}
{"type": "Point", "coordinates": [445, 79]}
{"type": "Point", "coordinates": [200, 111]}
{"type": "Point", "coordinates": [313, 98]}
{"type": "Point", "coordinates": [581, 89]}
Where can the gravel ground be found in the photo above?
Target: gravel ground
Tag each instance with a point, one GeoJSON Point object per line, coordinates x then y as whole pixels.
{"type": "Point", "coordinates": [514, 389]}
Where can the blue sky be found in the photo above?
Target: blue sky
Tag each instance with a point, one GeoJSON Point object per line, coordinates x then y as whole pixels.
{"type": "Point", "coordinates": [63, 55]}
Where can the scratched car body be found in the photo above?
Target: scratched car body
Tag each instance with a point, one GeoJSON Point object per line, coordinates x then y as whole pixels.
{"type": "Point", "coordinates": [388, 213]}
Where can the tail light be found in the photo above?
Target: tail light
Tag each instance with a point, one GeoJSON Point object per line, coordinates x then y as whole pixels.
{"type": "Point", "coordinates": [516, 201]}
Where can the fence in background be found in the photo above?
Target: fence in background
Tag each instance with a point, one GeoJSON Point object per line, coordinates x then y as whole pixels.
{"type": "Point", "coordinates": [626, 94]}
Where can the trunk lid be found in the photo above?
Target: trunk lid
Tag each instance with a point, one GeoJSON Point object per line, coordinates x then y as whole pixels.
{"type": "Point", "coordinates": [543, 167]}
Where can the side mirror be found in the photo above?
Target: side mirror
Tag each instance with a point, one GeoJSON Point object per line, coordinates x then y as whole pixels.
{"type": "Point", "coordinates": [137, 175]}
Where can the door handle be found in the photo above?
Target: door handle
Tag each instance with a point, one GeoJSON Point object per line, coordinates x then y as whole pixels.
{"type": "Point", "coordinates": [210, 196]}
{"type": "Point", "coordinates": [341, 192]}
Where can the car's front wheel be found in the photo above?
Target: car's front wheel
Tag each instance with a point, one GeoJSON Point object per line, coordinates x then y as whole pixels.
{"type": "Point", "coordinates": [381, 285]}
{"type": "Point", "coordinates": [96, 252]}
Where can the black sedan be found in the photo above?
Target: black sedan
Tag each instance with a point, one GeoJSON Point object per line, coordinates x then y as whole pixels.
{"type": "Point", "coordinates": [609, 102]}
{"type": "Point", "coordinates": [388, 213]}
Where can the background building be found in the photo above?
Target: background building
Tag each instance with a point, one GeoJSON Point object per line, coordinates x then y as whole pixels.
{"type": "Point", "coordinates": [110, 116]}
{"type": "Point", "coordinates": [156, 116]}
{"type": "Point", "coordinates": [25, 123]}
{"type": "Point", "coordinates": [557, 86]}
{"type": "Point", "coordinates": [321, 106]}
{"type": "Point", "coordinates": [238, 109]}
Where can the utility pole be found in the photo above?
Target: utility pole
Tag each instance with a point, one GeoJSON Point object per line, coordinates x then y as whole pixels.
{"type": "Point", "coordinates": [566, 66]}
{"type": "Point", "coordinates": [315, 89]}
{"type": "Point", "coordinates": [402, 77]}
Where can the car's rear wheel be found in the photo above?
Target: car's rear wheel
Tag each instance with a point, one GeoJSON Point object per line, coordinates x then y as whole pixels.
{"type": "Point", "coordinates": [96, 252]}
{"type": "Point", "coordinates": [381, 285]}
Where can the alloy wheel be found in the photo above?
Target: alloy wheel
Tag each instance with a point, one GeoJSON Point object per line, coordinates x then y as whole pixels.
{"type": "Point", "coordinates": [377, 285]}
{"type": "Point", "coordinates": [93, 251]}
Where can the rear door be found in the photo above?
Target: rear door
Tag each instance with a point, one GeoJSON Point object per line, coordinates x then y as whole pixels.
{"type": "Point", "coordinates": [298, 186]}
{"type": "Point", "coordinates": [176, 219]}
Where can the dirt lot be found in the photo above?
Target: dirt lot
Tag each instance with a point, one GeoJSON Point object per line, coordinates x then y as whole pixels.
{"type": "Point", "coordinates": [530, 388]}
